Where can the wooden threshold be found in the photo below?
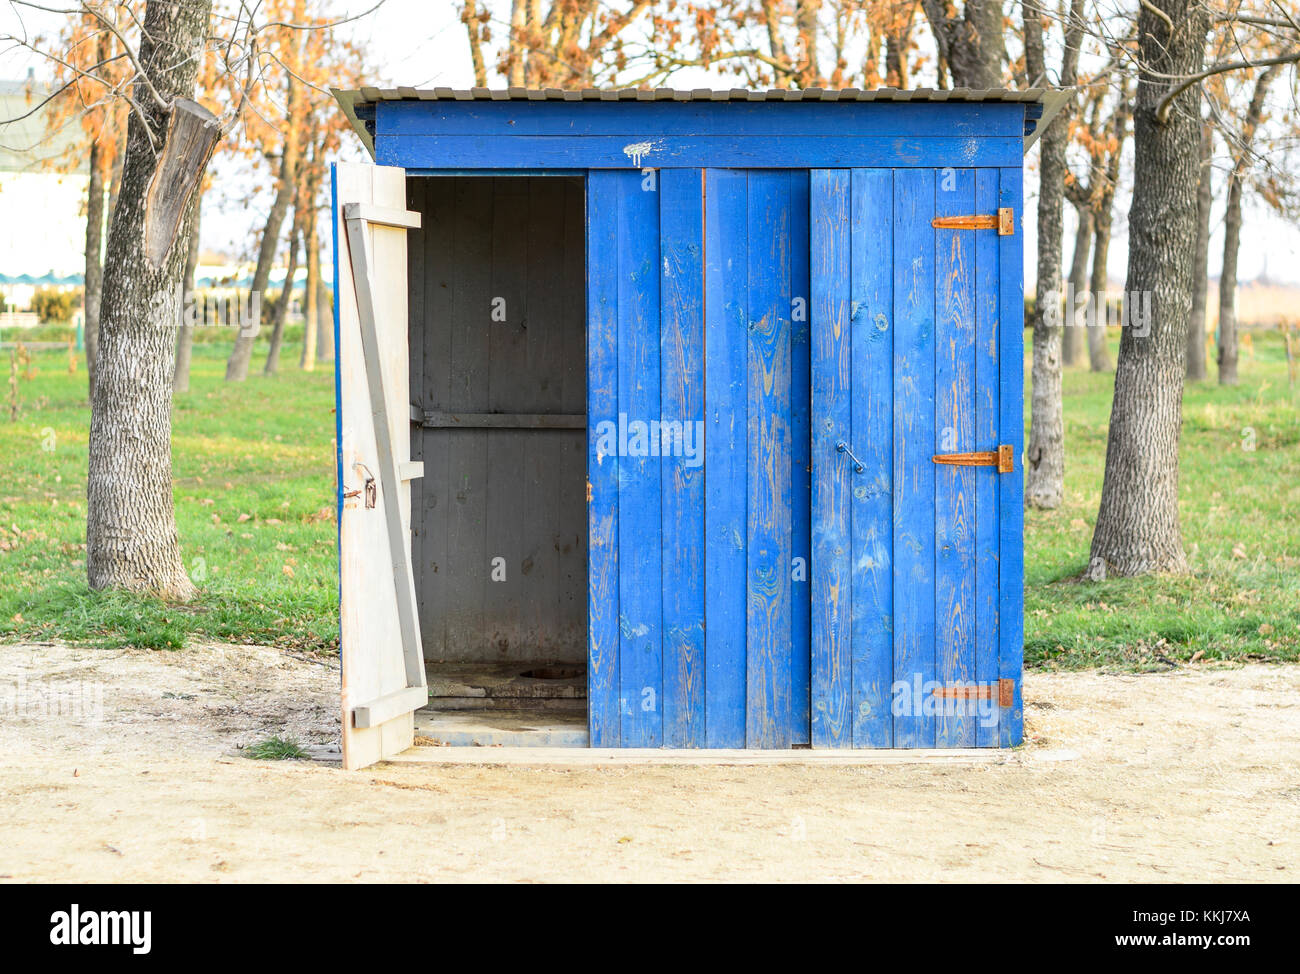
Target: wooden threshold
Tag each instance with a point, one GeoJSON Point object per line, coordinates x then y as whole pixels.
{"type": "Point", "coordinates": [589, 757]}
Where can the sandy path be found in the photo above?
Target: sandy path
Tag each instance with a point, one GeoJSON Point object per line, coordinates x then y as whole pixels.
{"type": "Point", "coordinates": [1188, 775]}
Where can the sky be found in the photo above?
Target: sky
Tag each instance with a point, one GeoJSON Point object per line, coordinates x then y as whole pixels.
{"type": "Point", "coordinates": [422, 43]}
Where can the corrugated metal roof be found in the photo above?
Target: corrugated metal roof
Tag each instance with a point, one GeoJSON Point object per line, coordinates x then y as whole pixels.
{"type": "Point", "coordinates": [1050, 98]}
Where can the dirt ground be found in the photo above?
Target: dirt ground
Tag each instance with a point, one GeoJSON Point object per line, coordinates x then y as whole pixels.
{"type": "Point", "coordinates": [1192, 774]}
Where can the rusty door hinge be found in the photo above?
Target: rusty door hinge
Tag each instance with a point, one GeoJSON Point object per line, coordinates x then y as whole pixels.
{"type": "Point", "coordinates": [1004, 222]}
{"type": "Point", "coordinates": [1006, 692]}
{"type": "Point", "coordinates": [1004, 458]}
{"type": "Point", "coordinates": [968, 691]}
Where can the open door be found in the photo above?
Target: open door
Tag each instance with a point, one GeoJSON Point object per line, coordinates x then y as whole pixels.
{"type": "Point", "coordinates": [379, 633]}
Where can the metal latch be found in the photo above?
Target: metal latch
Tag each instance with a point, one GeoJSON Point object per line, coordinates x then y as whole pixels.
{"type": "Point", "coordinates": [842, 447]}
{"type": "Point", "coordinates": [369, 488]}
{"type": "Point", "coordinates": [1004, 222]}
{"type": "Point", "coordinates": [1004, 458]}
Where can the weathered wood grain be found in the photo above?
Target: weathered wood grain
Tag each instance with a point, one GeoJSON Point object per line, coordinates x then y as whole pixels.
{"type": "Point", "coordinates": [1011, 564]}
{"type": "Point", "coordinates": [681, 336]}
{"type": "Point", "coordinates": [768, 668]}
{"type": "Point", "coordinates": [639, 525]}
{"type": "Point", "coordinates": [726, 397]}
{"type": "Point", "coordinates": [914, 439]}
{"type": "Point", "coordinates": [693, 151]}
{"type": "Point", "coordinates": [872, 418]}
{"type": "Point", "coordinates": [604, 721]}
{"type": "Point", "coordinates": [696, 118]}
{"type": "Point", "coordinates": [987, 403]}
{"type": "Point", "coordinates": [831, 421]}
{"type": "Point", "coordinates": [954, 497]}
{"type": "Point", "coordinates": [800, 463]}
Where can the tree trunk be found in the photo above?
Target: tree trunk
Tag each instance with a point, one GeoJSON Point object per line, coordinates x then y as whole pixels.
{"type": "Point", "coordinates": [114, 185]}
{"type": "Point", "coordinates": [324, 323]}
{"type": "Point", "coordinates": [311, 299]}
{"type": "Point", "coordinates": [131, 540]}
{"type": "Point", "coordinates": [1073, 341]}
{"type": "Point", "coordinates": [94, 273]}
{"type": "Point", "coordinates": [1232, 233]}
{"type": "Point", "coordinates": [1201, 261]}
{"type": "Point", "coordinates": [971, 44]}
{"type": "Point", "coordinates": [1045, 453]}
{"type": "Point", "coordinates": [1098, 351]}
{"type": "Point", "coordinates": [242, 355]}
{"type": "Point", "coordinates": [1103, 216]}
{"type": "Point", "coordinates": [185, 340]}
{"type": "Point", "coordinates": [286, 295]}
{"type": "Point", "coordinates": [1137, 525]}
{"type": "Point", "coordinates": [896, 51]}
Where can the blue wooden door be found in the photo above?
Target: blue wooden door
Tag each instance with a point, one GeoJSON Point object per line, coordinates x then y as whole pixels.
{"type": "Point", "coordinates": [916, 335]}
{"type": "Point", "coordinates": [698, 463]}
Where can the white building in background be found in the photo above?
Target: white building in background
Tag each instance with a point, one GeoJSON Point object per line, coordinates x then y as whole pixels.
{"type": "Point", "coordinates": [42, 192]}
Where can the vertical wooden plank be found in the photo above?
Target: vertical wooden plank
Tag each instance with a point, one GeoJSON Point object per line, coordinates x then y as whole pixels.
{"type": "Point", "coordinates": [468, 569]}
{"type": "Point", "coordinates": [987, 403]}
{"type": "Point", "coordinates": [767, 630]}
{"type": "Point", "coordinates": [800, 465]}
{"type": "Point", "coordinates": [603, 717]}
{"type": "Point", "coordinates": [440, 243]}
{"type": "Point", "coordinates": [573, 545]}
{"type": "Point", "coordinates": [831, 378]}
{"type": "Point", "coordinates": [639, 525]}
{"type": "Point", "coordinates": [954, 515]}
{"type": "Point", "coordinates": [512, 481]}
{"type": "Point", "coordinates": [550, 481]}
{"type": "Point", "coordinates": [914, 438]}
{"type": "Point", "coordinates": [726, 402]}
{"type": "Point", "coordinates": [1011, 563]}
{"type": "Point", "coordinates": [681, 221]}
{"type": "Point", "coordinates": [871, 303]}
{"type": "Point", "coordinates": [417, 199]}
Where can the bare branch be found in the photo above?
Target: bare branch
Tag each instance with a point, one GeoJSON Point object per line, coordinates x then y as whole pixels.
{"type": "Point", "coordinates": [1166, 103]}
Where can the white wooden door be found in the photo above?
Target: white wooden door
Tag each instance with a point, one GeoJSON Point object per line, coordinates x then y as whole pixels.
{"type": "Point", "coordinates": [383, 665]}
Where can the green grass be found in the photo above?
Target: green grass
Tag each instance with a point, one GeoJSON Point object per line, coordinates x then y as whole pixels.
{"type": "Point", "coordinates": [1240, 514]}
{"type": "Point", "coordinates": [254, 487]}
{"type": "Point", "coordinates": [275, 749]}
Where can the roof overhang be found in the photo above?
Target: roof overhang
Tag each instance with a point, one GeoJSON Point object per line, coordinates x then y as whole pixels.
{"type": "Point", "coordinates": [359, 102]}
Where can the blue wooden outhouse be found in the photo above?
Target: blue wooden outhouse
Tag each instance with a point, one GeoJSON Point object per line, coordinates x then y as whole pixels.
{"type": "Point", "coordinates": [697, 415]}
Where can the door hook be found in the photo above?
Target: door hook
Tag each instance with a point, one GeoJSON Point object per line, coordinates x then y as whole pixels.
{"type": "Point", "coordinates": [843, 447]}
{"type": "Point", "coordinates": [371, 492]}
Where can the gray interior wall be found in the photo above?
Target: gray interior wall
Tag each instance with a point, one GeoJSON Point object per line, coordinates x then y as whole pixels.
{"type": "Point", "coordinates": [499, 492]}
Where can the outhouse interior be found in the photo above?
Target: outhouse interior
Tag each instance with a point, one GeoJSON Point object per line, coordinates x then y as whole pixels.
{"type": "Point", "coordinates": [715, 417]}
{"type": "Point", "coordinates": [497, 342]}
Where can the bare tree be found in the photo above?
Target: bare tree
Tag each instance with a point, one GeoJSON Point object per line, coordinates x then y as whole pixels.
{"type": "Point", "coordinates": [281, 312]}
{"type": "Point", "coordinates": [131, 539]}
{"type": "Point", "coordinates": [1105, 181]}
{"type": "Point", "coordinates": [1241, 157]}
{"type": "Point", "coordinates": [1072, 344]}
{"type": "Point", "coordinates": [970, 42]}
{"type": "Point", "coordinates": [1045, 452]}
{"type": "Point", "coordinates": [1137, 527]}
{"type": "Point", "coordinates": [185, 340]}
{"type": "Point", "coordinates": [1201, 259]}
{"type": "Point", "coordinates": [286, 183]}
